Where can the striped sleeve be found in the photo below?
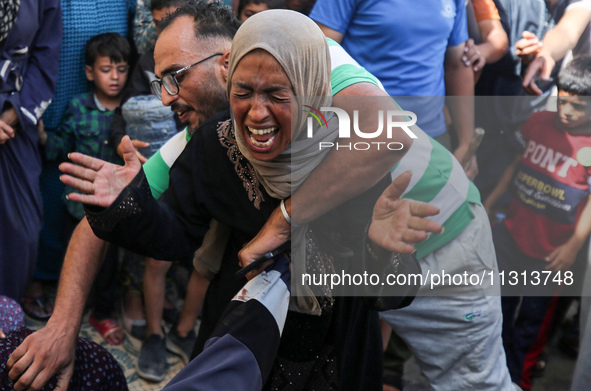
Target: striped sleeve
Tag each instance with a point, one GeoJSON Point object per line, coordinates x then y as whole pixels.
{"type": "Point", "coordinates": [438, 179]}
{"type": "Point", "coordinates": [158, 166]}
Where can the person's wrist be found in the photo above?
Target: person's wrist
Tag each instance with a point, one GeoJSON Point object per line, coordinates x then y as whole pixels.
{"type": "Point", "coordinates": [285, 210]}
{"type": "Point", "coordinates": [576, 242]}
{"type": "Point", "coordinates": [542, 53]}
{"type": "Point", "coordinates": [64, 326]}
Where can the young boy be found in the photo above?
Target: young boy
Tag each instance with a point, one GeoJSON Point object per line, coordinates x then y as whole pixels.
{"type": "Point", "coordinates": [85, 129]}
{"type": "Point", "coordinates": [247, 8]}
{"type": "Point", "coordinates": [549, 218]}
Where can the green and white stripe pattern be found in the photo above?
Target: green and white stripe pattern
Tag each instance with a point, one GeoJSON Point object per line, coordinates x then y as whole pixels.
{"type": "Point", "coordinates": [438, 179]}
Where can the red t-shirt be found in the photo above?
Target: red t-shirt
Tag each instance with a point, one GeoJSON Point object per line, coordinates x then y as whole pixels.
{"type": "Point", "coordinates": [549, 187]}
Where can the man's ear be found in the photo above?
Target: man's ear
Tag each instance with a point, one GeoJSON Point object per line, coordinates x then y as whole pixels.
{"type": "Point", "coordinates": [88, 71]}
{"type": "Point", "coordinates": [226, 62]}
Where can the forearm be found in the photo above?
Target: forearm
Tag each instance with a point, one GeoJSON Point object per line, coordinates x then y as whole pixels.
{"type": "Point", "coordinates": [345, 173]}
{"type": "Point", "coordinates": [556, 44]}
{"type": "Point", "coordinates": [564, 37]}
{"type": "Point", "coordinates": [83, 259]}
{"type": "Point", "coordinates": [459, 83]}
{"type": "Point", "coordinates": [495, 42]}
{"type": "Point", "coordinates": [330, 33]}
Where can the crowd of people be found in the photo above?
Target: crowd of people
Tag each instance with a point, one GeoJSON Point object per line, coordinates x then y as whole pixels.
{"type": "Point", "coordinates": [168, 136]}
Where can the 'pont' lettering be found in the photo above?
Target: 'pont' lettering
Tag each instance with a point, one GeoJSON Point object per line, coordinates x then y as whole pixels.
{"type": "Point", "coordinates": [548, 159]}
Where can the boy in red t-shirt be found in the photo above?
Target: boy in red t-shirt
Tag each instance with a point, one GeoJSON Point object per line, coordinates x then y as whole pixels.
{"type": "Point", "coordinates": [549, 218]}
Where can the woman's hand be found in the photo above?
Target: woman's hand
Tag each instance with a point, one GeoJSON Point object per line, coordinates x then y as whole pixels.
{"type": "Point", "coordinates": [473, 57]}
{"type": "Point", "coordinates": [274, 233]}
{"type": "Point", "coordinates": [396, 223]}
{"type": "Point", "coordinates": [101, 182]}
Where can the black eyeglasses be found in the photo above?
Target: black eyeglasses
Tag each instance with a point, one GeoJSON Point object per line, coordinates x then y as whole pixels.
{"type": "Point", "coordinates": [169, 81]}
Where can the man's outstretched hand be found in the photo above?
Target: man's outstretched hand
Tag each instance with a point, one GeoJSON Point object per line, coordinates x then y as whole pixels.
{"type": "Point", "coordinates": [99, 181]}
{"type": "Point", "coordinates": [396, 222]}
{"type": "Point", "coordinates": [137, 144]}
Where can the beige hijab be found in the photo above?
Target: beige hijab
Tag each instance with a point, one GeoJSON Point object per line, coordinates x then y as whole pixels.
{"type": "Point", "coordinates": [299, 45]}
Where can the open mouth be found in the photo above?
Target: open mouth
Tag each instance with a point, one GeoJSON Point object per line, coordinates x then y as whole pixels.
{"type": "Point", "coordinates": [262, 138]}
{"type": "Point", "coordinates": [183, 115]}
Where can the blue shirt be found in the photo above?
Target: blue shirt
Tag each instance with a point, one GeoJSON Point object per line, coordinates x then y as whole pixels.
{"type": "Point", "coordinates": [403, 45]}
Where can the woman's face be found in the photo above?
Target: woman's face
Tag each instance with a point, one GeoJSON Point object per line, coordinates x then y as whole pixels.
{"type": "Point", "coordinates": [260, 97]}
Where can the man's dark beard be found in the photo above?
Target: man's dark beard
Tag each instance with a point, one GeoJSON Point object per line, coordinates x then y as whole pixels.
{"type": "Point", "coordinates": [216, 102]}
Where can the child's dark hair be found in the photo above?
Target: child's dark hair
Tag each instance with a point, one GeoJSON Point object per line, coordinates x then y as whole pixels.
{"type": "Point", "coordinates": [161, 4]}
{"type": "Point", "coordinates": [272, 4]}
{"type": "Point", "coordinates": [110, 45]}
{"type": "Point", "coordinates": [575, 78]}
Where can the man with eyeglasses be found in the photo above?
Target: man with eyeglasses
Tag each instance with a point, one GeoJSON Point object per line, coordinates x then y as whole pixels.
{"type": "Point", "coordinates": [196, 93]}
{"type": "Point", "coordinates": [151, 364]}
{"type": "Point", "coordinates": [169, 81]}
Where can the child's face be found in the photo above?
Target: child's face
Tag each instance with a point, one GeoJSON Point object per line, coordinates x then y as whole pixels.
{"type": "Point", "coordinates": [573, 110]}
{"type": "Point", "coordinates": [109, 77]}
{"type": "Point", "coordinates": [251, 9]}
